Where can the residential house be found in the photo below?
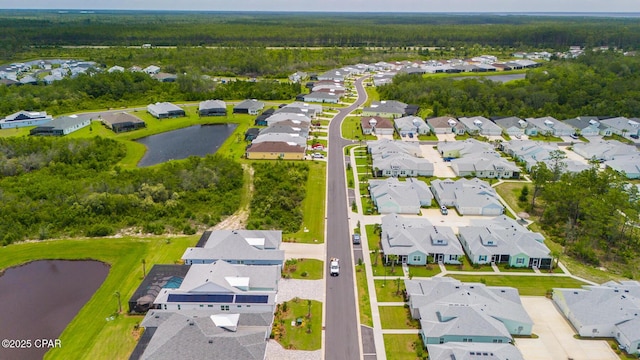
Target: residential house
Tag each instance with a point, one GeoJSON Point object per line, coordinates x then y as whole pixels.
{"type": "Point", "coordinates": [445, 125]}
{"type": "Point", "coordinates": [261, 120]}
{"type": "Point", "coordinates": [298, 107]}
{"type": "Point", "coordinates": [622, 126]}
{"type": "Point", "coordinates": [322, 97]}
{"type": "Point", "coordinates": [533, 152]}
{"type": "Point", "coordinates": [458, 350]}
{"type": "Point", "coordinates": [115, 68]}
{"type": "Point", "coordinates": [121, 121]}
{"type": "Point", "coordinates": [485, 166]}
{"type": "Point", "coordinates": [385, 108]}
{"type": "Point", "coordinates": [469, 197]}
{"type": "Point", "coordinates": [220, 285]}
{"type": "Point", "coordinates": [515, 127]}
{"type": "Point", "coordinates": [251, 107]}
{"type": "Point", "coordinates": [335, 74]}
{"type": "Point", "coordinates": [280, 137]}
{"type": "Point", "coordinates": [25, 118]}
{"type": "Point", "coordinates": [451, 311]}
{"type": "Point", "coordinates": [588, 126]}
{"type": "Point", "coordinates": [416, 241]}
{"type": "Point", "coordinates": [410, 125]}
{"type": "Point", "coordinates": [62, 126]}
{"type": "Point", "coordinates": [479, 125]}
{"type": "Point", "coordinates": [249, 247]}
{"type": "Point", "coordinates": [628, 165]}
{"type": "Point", "coordinates": [402, 165]}
{"type": "Point", "coordinates": [376, 125]}
{"type": "Point", "coordinates": [275, 150]}
{"type": "Point", "coordinates": [276, 118]}
{"type": "Point", "coordinates": [164, 110]}
{"type": "Point", "coordinates": [203, 334]}
{"type": "Point", "coordinates": [386, 147]}
{"type": "Point", "coordinates": [610, 310]}
{"type": "Point", "coordinates": [551, 127]}
{"type": "Point", "coordinates": [151, 70]}
{"type": "Point", "coordinates": [298, 76]}
{"type": "Point", "coordinates": [212, 108]}
{"type": "Point", "coordinates": [28, 80]}
{"type": "Point", "coordinates": [286, 127]}
{"type": "Point", "coordinates": [457, 149]}
{"type": "Point", "coordinates": [402, 197]}
{"type": "Point", "coordinates": [504, 240]}
{"type": "Point", "coordinates": [603, 150]}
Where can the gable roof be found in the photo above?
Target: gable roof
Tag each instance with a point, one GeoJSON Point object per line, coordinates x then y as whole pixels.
{"type": "Point", "coordinates": [411, 193]}
{"type": "Point", "coordinates": [239, 245]}
{"type": "Point", "coordinates": [404, 235]}
{"type": "Point", "coordinates": [380, 122]}
{"type": "Point", "coordinates": [473, 351]}
{"type": "Point", "coordinates": [212, 104]}
{"type": "Point", "coordinates": [275, 147]}
{"type": "Point", "coordinates": [251, 104]}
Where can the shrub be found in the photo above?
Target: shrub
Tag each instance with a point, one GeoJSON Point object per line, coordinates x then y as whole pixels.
{"type": "Point", "coordinates": [99, 230]}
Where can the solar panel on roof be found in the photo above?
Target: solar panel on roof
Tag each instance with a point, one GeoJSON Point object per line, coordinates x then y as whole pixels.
{"type": "Point", "coordinates": [252, 299]}
{"type": "Point", "coordinates": [200, 298]}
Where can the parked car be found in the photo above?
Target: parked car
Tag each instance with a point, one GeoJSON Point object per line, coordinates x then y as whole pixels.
{"type": "Point", "coordinates": [317, 156]}
{"type": "Point", "coordinates": [574, 136]}
{"type": "Point", "coordinates": [317, 147]}
{"type": "Point", "coordinates": [334, 267]}
{"type": "Point", "coordinates": [355, 238]}
{"type": "Point", "coordinates": [443, 210]}
{"type": "Point", "coordinates": [634, 136]}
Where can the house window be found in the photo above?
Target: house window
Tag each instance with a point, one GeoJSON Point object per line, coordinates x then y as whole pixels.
{"type": "Point", "coordinates": [520, 261]}
{"type": "Point", "coordinates": [201, 305]}
{"type": "Point", "coordinates": [441, 340]}
{"type": "Point", "coordinates": [165, 306]}
{"type": "Point", "coordinates": [224, 307]}
{"type": "Point", "coordinates": [482, 258]}
{"type": "Point", "coordinates": [178, 306]}
{"type": "Point", "coordinates": [209, 305]}
{"type": "Point", "coordinates": [453, 257]}
{"type": "Point", "coordinates": [491, 173]}
{"type": "Point", "coordinates": [402, 172]}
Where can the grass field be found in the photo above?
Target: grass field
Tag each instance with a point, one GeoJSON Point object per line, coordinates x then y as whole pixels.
{"type": "Point", "coordinates": [89, 335]}
{"type": "Point", "coordinates": [297, 336]}
{"type": "Point", "coordinates": [403, 347]}
{"type": "Point", "coordinates": [364, 303]}
{"type": "Point", "coordinates": [397, 317]}
{"type": "Point", "coordinates": [313, 206]}
{"type": "Point", "coordinates": [311, 267]}
{"type": "Point", "coordinates": [387, 290]}
{"type": "Point", "coordinates": [526, 285]}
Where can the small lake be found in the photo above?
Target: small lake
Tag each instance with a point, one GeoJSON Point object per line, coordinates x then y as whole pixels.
{"type": "Point", "coordinates": [496, 78]}
{"type": "Point", "coordinates": [40, 298]}
{"type": "Point", "coordinates": [198, 140]}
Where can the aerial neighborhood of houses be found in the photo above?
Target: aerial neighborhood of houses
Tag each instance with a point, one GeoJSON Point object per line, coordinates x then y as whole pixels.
{"type": "Point", "coordinates": [224, 292]}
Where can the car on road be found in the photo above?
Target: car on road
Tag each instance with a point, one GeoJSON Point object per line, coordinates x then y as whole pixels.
{"type": "Point", "coordinates": [334, 267]}
{"type": "Point", "coordinates": [355, 238]}
{"type": "Point", "coordinates": [574, 136]}
{"type": "Point", "coordinates": [443, 210]}
{"type": "Point", "coordinates": [317, 156]}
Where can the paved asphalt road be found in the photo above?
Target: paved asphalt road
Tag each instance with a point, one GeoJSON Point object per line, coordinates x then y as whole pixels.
{"type": "Point", "coordinates": [341, 332]}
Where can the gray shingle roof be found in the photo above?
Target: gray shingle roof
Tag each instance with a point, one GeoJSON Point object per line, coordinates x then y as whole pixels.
{"type": "Point", "coordinates": [233, 245]}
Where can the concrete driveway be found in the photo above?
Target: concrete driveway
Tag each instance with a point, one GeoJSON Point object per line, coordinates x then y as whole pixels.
{"type": "Point", "coordinates": [572, 155]}
{"type": "Point", "coordinates": [556, 339]}
{"type": "Point", "coordinates": [441, 168]}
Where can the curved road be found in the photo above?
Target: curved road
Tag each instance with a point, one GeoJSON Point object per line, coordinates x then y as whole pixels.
{"type": "Point", "coordinates": [341, 331]}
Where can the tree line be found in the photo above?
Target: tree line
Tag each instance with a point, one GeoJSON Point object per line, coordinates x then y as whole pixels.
{"type": "Point", "coordinates": [593, 213]}
{"type": "Point", "coordinates": [59, 187]}
{"type": "Point", "coordinates": [597, 83]}
{"type": "Point", "coordinates": [117, 89]}
{"type": "Point", "coordinates": [41, 28]}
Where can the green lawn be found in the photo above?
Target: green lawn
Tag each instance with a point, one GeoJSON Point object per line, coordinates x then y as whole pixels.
{"type": "Point", "coordinates": [23, 131]}
{"type": "Point", "coordinates": [424, 271]}
{"type": "Point", "coordinates": [397, 317]}
{"type": "Point", "coordinates": [364, 303]}
{"type": "Point", "coordinates": [404, 347]}
{"type": "Point", "coordinates": [306, 269]}
{"type": "Point", "coordinates": [89, 335]}
{"type": "Point", "coordinates": [526, 285]}
{"type": "Point", "coordinates": [352, 129]}
{"type": "Point", "coordinates": [313, 206]}
{"type": "Point", "coordinates": [386, 290]}
{"type": "Point", "coordinates": [297, 337]}
{"type": "Point", "coordinates": [373, 239]}
{"type": "Point", "coordinates": [362, 161]}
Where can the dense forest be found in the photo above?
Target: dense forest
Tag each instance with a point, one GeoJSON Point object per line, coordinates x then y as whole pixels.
{"type": "Point", "coordinates": [279, 189]}
{"type": "Point", "coordinates": [20, 28]}
{"type": "Point", "coordinates": [57, 187]}
{"type": "Point", "coordinates": [597, 83]}
{"type": "Point", "coordinates": [590, 214]}
{"type": "Point", "coordinates": [104, 90]}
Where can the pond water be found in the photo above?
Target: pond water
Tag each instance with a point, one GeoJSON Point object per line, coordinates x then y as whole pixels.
{"type": "Point", "coordinates": [40, 298]}
{"type": "Point", "coordinates": [198, 140]}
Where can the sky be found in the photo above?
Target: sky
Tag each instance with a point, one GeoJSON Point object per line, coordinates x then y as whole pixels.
{"type": "Point", "coordinates": [492, 6]}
